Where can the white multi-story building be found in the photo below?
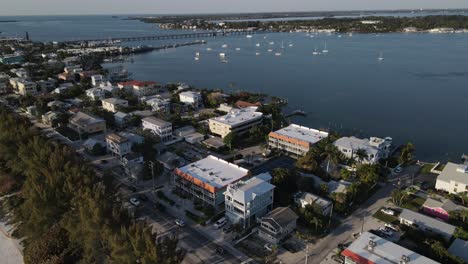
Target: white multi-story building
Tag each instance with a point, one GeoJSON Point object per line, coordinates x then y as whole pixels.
{"type": "Point", "coordinates": [139, 88]}
{"type": "Point", "coordinates": [118, 144]}
{"type": "Point", "coordinates": [158, 104]}
{"type": "Point", "coordinates": [245, 201]}
{"type": "Point", "coordinates": [114, 104]}
{"type": "Point", "coordinates": [453, 178]}
{"type": "Point", "coordinates": [97, 80]}
{"type": "Point", "coordinates": [237, 120]}
{"type": "Point", "coordinates": [207, 179]}
{"type": "Point", "coordinates": [159, 127]}
{"type": "Point", "coordinates": [191, 98]}
{"type": "Point", "coordinates": [322, 205]}
{"type": "Point", "coordinates": [95, 94]}
{"type": "Point", "coordinates": [375, 148]}
{"type": "Point", "coordinates": [26, 87]}
{"type": "Point", "coordinates": [295, 139]}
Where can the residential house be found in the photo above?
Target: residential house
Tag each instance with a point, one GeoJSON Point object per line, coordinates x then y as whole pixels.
{"type": "Point", "coordinates": [47, 85]}
{"type": "Point", "coordinates": [140, 88]}
{"type": "Point", "coordinates": [194, 138]}
{"type": "Point", "coordinates": [426, 224]}
{"type": "Point", "coordinates": [208, 178]}
{"type": "Point", "coordinates": [459, 248]}
{"type": "Point", "coordinates": [239, 121]}
{"type": "Point", "coordinates": [295, 140]}
{"type": "Point", "coordinates": [118, 145]}
{"type": "Point", "coordinates": [191, 98]}
{"type": "Point", "coordinates": [321, 205]}
{"type": "Point", "coordinates": [247, 200]}
{"type": "Point", "coordinates": [27, 87]}
{"type": "Point", "coordinates": [49, 117]}
{"type": "Point", "coordinates": [159, 127]}
{"type": "Point", "coordinates": [85, 123]}
{"type": "Point", "coordinates": [97, 80]}
{"type": "Point", "coordinates": [453, 179]}
{"type": "Point", "coordinates": [370, 248]}
{"type": "Point", "coordinates": [374, 148]}
{"type": "Point", "coordinates": [122, 119]}
{"type": "Point", "coordinates": [277, 224]}
{"type": "Point", "coordinates": [95, 94]}
{"type": "Point", "coordinates": [170, 160]}
{"type": "Point", "coordinates": [159, 105]}
{"type": "Point", "coordinates": [114, 104]}
{"type": "Point", "coordinates": [440, 207]}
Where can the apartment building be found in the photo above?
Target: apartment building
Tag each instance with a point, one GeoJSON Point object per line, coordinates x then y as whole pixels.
{"type": "Point", "coordinates": [114, 104]}
{"type": "Point", "coordinates": [370, 248]}
{"type": "Point", "coordinates": [295, 140]}
{"type": "Point", "coordinates": [140, 88]}
{"type": "Point", "coordinates": [191, 98]}
{"type": "Point", "coordinates": [208, 179]}
{"type": "Point", "coordinates": [245, 201]}
{"type": "Point", "coordinates": [27, 87]}
{"type": "Point", "coordinates": [375, 148]}
{"type": "Point", "coordinates": [85, 123]}
{"type": "Point", "coordinates": [118, 145]}
{"type": "Point", "coordinates": [95, 94]}
{"type": "Point", "coordinates": [97, 80]}
{"type": "Point", "coordinates": [159, 127]}
{"type": "Point", "coordinates": [237, 120]}
{"type": "Point", "coordinates": [453, 178]}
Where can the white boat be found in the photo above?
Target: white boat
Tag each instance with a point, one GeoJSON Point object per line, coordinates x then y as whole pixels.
{"type": "Point", "coordinates": [222, 54]}
{"type": "Point", "coordinates": [208, 49]}
{"type": "Point", "coordinates": [325, 50]}
{"type": "Point", "coordinates": [197, 54]}
{"type": "Point", "coordinates": [282, 44]}
{"type": "Point", "coordinates": [339, 36]}
{"type": "Point", "coordinates": [264, 37]}
{"type": "Point", "coordinates": [197, 58]}
{"type": "Point", "coordinates": [248, 36]}
{"type": "Point", "coordinates": [237, 49]}
{"type": "Point", "coordinates": [270, 50]}
{"type": "Point", "coordinates": [312, 36]}
{"type": "Point", "coordinates": [224, 61]}
{"type": "Point", "coordinates": [257, 53]}
{"type": "Point", "coordinates": [315, 52]}
{"type": "Point", "coordinates": [272, 43]}
{"type": "Point", "coordinates": [224, 46]}
{"type": "Point", "coordinates": [278, 54]}
{"type": "Point", "coordinates": [350, 34]}
{"type": "Point", "coordinates": [290, 44]}
{"type": "Point", "coordinates": [258, 44]}
{"type": "Point", "coordinates": [381, 57]}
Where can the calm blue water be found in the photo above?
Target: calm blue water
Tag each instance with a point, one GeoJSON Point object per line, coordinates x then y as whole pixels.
{"type": "Point", "coordinates": [418, 93]}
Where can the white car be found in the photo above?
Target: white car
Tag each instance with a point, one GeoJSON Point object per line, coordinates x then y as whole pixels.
{"type": "Point", "coordinates": [392, 227]}
{"type": "Point", "coordinates": [135, 201]}
{"type": "Point", "coordinates": [220, 223]}
{"type": "Point", "coordinates": [386, 231]}
{"type": "Point", "coordinates": [268, 247]}
{"type": "Point", "coordinates": [180, 222]}
{"type": "Point", "coordinates": [387, 211]}
{"type": "Point", "coordinates": [398, 170]}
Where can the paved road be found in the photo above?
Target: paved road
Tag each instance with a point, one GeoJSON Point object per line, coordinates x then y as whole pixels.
{"type": "Point", "coordinates": [352, 224]}
{"type": "Point", "coordinates": [199, 248]}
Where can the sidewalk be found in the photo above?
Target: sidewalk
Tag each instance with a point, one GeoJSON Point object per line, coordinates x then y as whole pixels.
{"type": "Point", "coordinates": [10, 249]}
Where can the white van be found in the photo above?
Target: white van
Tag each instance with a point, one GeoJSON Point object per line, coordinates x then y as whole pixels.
{"type": "Point", "coordinates": [220, 223]}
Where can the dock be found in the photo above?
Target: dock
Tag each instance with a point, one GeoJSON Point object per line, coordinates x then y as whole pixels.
{"type": "Point", "coordinates": [298, 112]}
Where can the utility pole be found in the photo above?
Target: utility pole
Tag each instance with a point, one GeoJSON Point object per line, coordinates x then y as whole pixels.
{"type": "Point", "coordinates": [331, 213]}
{"type": "Point", "coordinates": [307, 254]}
{"type": "Point", "coordinates": [152, 173]}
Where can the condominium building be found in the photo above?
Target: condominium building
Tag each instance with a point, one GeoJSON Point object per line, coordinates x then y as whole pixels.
{"type": "Point", "coordinates": [159, 104]}
{"type": "Point", "coordinates": [97, 80]}
{"type": "Point", "coordinates": [85, 123]}
{"type": "Point", "coordinates": [159, 127]}
{"type": "Point", "coordinates": [140, 88]}
{"type": "Point", "coordinates": [237, 120]}
{"type": "Point", "coordinates": [453, 178]}
{"type": "Point", "coordinates": [114, 104]}
{"type": "Point", "coordinates": [207, 179]}
{"type": "Point", "coordinates": [245, 201]}
{"type": "Point", "coordinates": [370, 248]}
{"type": "Point", "coordinates": [374, 148]}
{"type": "Point", "coordinates": [118, 145]}
{"type": "Point", "coordinates": [295, 140]}
{"type": "Point", "coordinates": [191, 98]}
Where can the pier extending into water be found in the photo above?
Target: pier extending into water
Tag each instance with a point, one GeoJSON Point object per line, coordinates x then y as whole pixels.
{"type": "Point", "coordinates": [172, 36]}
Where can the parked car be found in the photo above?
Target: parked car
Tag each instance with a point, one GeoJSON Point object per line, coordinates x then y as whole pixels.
{"type": "Point", "coordinates": [398, 169]}
{"type": "Point", "coordinates": [386, 231]}
{"type": "Point", "coordinates": [392, 227]}
{"type": "Point", "coordinates": [228, 229]}
{"type": "Point", "coordinates": [268, 247]}
{"type": "Point", "coordinates": [135, 201]}
{"type": "Point", "coordinates": [180, 222]}
{"type": "Point", "coordinates": [220, 223]}
{"type": "Point", "coordinates": [338, 258]}
{"type": "Point", "coordinates": [387, 211]}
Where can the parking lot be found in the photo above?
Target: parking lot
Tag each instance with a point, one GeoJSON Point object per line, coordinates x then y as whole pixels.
{"type": "Point", "coordinates": [268, 166]}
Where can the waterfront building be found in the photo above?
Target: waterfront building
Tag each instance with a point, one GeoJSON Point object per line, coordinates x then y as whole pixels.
{"type": "Point", "coordinates": [237, 120]}
{"type": "Point", "coordinates": [375, 148]}
{"type": "Point", "coordinates": [207, 179]}
{"type": "Point", "coordinates": [245, 201]}
{"type": "Point", "coordinates": [191, 98]}
{"type": "Point", "coordinates": [139, 88]}
{"type": "Point", "coordinates": [440, 207]}
{"type": "Point", "coordinates": [426, 224]}
{"type": "Point", "coordinates": [295, 140]}
{"type": "Point", "coordinates": [159, 127]}
{"type": "Point", "coordinates": [277, 225]}
{"type": "Point", "coordinates": [85, 123]}
{"type": "Point", "coordinates": [370, 248]}
{"type": "Point", "coordinates": [114, 104]}
{"type": "Point", "coordinates": [453, 178]}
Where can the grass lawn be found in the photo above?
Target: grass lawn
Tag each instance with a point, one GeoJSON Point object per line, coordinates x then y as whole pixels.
{"type": "Point", "coordinates": [385, 217]}
{"type": "Point", "coordinates": [414, 204]}
{"type": "Point", "coordinates": [426, 169]}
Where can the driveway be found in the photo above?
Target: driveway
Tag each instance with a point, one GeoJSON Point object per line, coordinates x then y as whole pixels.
{"type": "Point", "coordinates": [355, 223]}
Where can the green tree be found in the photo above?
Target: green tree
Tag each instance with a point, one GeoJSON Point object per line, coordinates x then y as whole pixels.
{"type": "Point", "coordinates": [332, 155]}
{"type": "Point", "coordinates": [285, 182]}
{"type": "Point", "coordinates": [406, 154]}
{"type": "Point", "coordinates": [399, 197]}
{"type": "Point", "coordinates": [308, 162]}
{"type": "Point", "coordinates": [368, 173]}
{"type": "Point", "coordinates": [230, 140]}
{"type": "Point", "coordinates": [361, 155]}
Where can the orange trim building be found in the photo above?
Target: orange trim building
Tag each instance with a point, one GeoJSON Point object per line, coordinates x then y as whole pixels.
{"type": "Point", "coordinates": [295, 139]}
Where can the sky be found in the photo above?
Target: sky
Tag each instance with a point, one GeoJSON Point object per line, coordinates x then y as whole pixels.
{"type": "Point", "coordinates": [63, 7]}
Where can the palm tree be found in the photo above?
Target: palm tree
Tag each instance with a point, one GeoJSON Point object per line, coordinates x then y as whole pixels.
{"type": "Point", "coordinates": [332, 154]}
{"type": "Point", "coordinates": [361, 154]}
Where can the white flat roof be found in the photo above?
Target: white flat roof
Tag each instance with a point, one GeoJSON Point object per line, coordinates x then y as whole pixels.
{"type": "Point", "coordinates": [214, 171]}
{"type": "Point", "coordinates": [384, 251]}
{"type": "Point", "coordinates": [301, 133]}
{"type": "Point", "coordinates": [239, 116]}
{"type": "Point", "coordinates": [454, 172]}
